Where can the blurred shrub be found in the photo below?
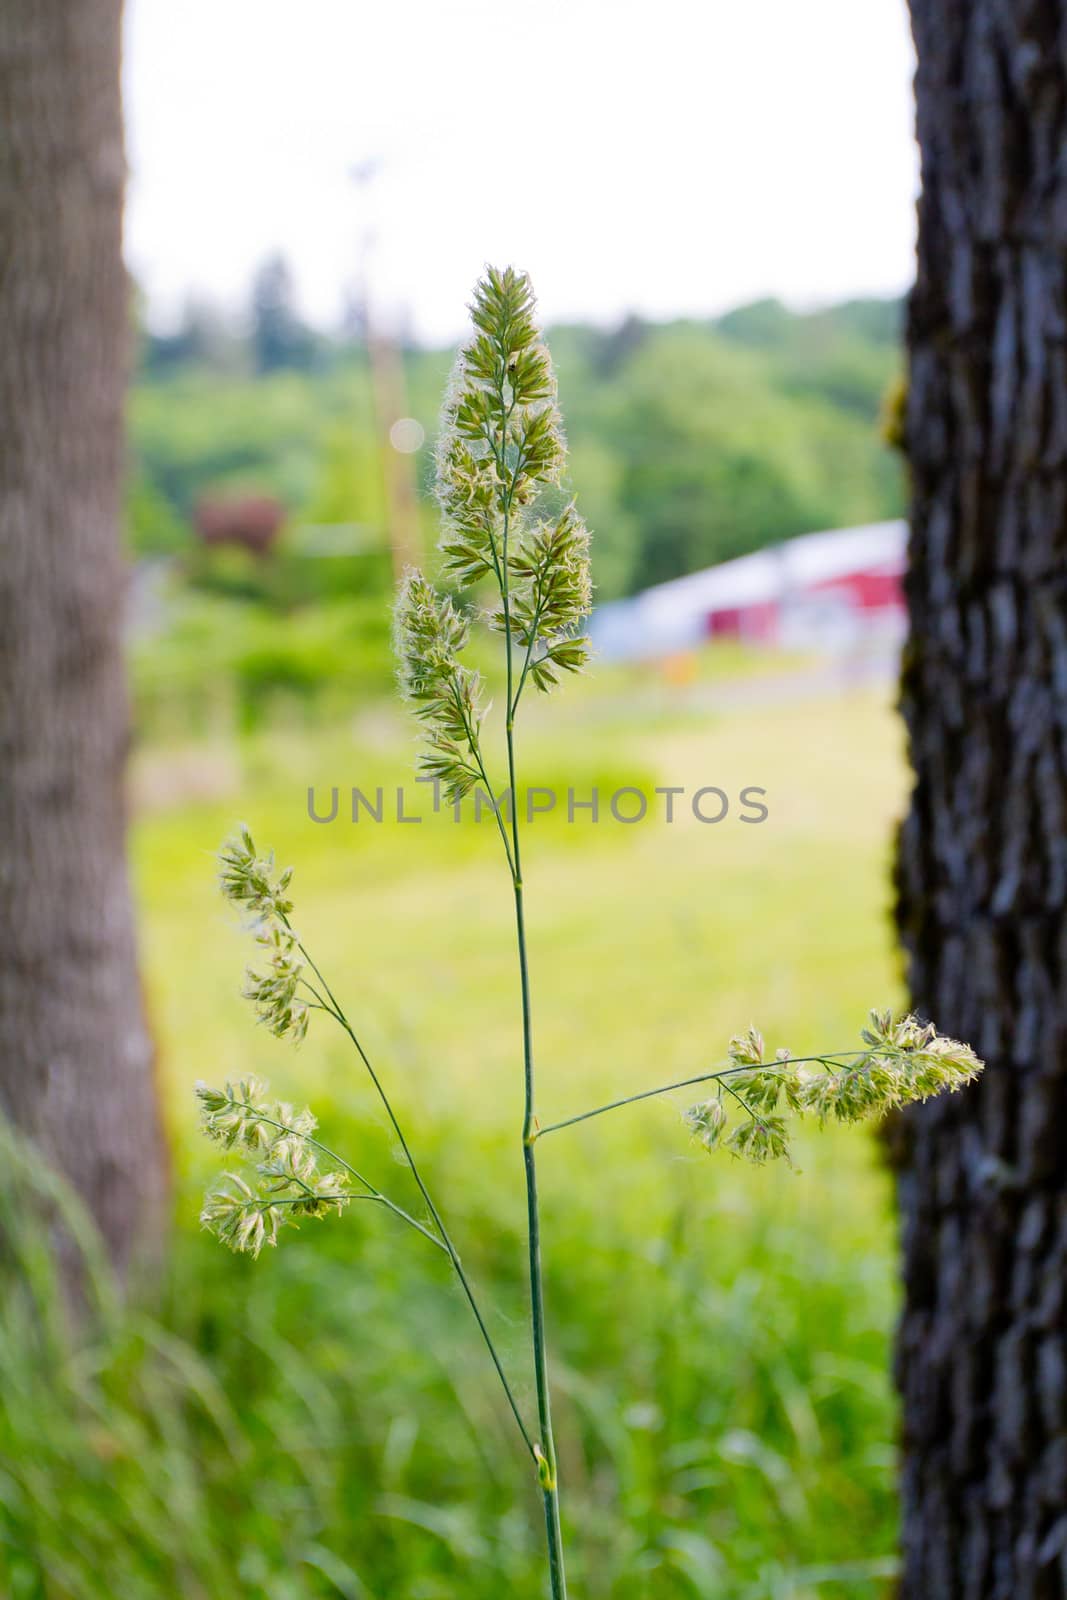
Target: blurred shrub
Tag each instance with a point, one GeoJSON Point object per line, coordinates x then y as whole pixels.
{"type": "Point", "coordinates": [227, 662]}
{"type": "Point", "coordinates": [152, 526]}
{"type": "Point", "coordinates": [321, 1423]}
{"type": "Point", "coordinates": [288, 578]}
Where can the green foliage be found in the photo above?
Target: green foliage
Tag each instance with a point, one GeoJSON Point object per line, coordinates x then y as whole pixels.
{"type": "Point", "coordinates": [292, 578]}
{"type": "Point", "coordinates": [348, 485]}
{"type": "Point", "coordinates": [721, 459]}
{"type": "Point", "coordinates": [845, 355]}
{"type": "Point", "coordinates": [196, 432]}
{"type": "Point", "coordinates": [689, 442]}
{"type": "Point", "coordinates": [315, 1424]}
{"type": "Point", "coordinates": [153, 526]}
{"type": "Point", "coordinates": [225, 665]}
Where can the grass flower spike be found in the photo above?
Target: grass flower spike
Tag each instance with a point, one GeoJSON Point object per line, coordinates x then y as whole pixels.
{"type": "Point", "coordinates": [275, 994]}
{"type": "Point", "coordinates": [281, 1182]}
{"type": "Point", "coordinates": [899, 1062]}
{"type": "Point", "coordinates": [429, 634]}
{"type": "Point", "coordinates": [249, 880]}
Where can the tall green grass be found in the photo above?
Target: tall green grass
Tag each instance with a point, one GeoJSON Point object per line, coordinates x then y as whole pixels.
{"type": "Point", "coordinates": [315, 1424]}
{"type": "Point", "coordinates": [319, 1423]}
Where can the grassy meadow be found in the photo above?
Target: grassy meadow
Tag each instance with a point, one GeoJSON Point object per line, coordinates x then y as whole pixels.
{"type": "Point", "coordinates": [323, 1421]}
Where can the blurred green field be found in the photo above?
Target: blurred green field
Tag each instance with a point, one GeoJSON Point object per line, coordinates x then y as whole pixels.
{"type": "Point", "coordinates": [323, 1422]}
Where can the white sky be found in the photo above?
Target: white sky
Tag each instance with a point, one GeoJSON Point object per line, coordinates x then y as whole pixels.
{"type": "Point", "coordinates": [661, 156]}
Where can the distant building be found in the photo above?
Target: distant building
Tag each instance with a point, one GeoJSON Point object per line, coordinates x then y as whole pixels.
{"type": "Point", "coordinates": [838, 590]}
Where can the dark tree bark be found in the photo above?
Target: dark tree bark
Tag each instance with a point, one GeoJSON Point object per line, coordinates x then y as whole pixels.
{"type": "Point", "coordinates": [982, 1355]}
{"type": "Point", "coordinates": [76, 1062]}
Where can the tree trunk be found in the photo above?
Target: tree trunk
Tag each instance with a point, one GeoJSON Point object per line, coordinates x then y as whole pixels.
{"type": "Point", "coordinates": [76, 1061]}
{"type": "Point", "coordinates": [982, 1353]}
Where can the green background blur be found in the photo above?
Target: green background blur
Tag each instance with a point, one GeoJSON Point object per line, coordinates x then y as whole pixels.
{"type": "Point", "coordinates": [323, 1421]}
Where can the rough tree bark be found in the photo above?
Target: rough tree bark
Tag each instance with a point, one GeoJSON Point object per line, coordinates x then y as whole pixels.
{"type": "Point", "coordinates": [76, 1062]}
{"type": "Point", "coordinates": [982, 1354]}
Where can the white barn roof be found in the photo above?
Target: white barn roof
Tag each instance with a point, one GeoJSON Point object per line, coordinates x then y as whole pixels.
{"type": "Point", "coordinates": [673, 615]}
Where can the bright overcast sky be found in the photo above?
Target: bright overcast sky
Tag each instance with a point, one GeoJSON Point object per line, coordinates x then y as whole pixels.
{"type": "Point", "coordinates": [666, 156]}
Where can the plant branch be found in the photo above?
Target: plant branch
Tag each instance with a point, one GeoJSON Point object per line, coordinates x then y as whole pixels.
{"type": "Point", "coordinates": [445, 1240]}
{"type": "Point", "coordinates": [530, 646]}
{"type": "Point", "coordinates": [688, 1083]}
{"type": "Point", "coordinates": [475, 746]}
{"type": "Point", "coordinates": [372, 1193]}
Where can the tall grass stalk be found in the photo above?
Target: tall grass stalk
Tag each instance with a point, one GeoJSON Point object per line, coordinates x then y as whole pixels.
{"type": "Point", "coordinates": [510, 531]}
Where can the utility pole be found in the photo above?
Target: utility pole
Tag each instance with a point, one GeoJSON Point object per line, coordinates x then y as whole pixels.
{"type": "Point", "coordinates": [389, 400]}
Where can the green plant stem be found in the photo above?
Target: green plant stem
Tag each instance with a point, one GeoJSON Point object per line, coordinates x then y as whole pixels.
{"type": "Point", "coordinates": [445, 1239]}
{"type": "Point", "coordinates": [548, 1466]}
{"type": "Point", "coordinates": [474, 745]}
{"type": "Point", "coordinates": [547, 1461]}
{"type": "Point", "coordinates": [513, 704]}
{"type": "Point", "coordinates": [548, 1474]}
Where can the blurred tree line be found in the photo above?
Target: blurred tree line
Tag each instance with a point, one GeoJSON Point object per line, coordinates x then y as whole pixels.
{"type": "Point", "coordinates": [692, 441]}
